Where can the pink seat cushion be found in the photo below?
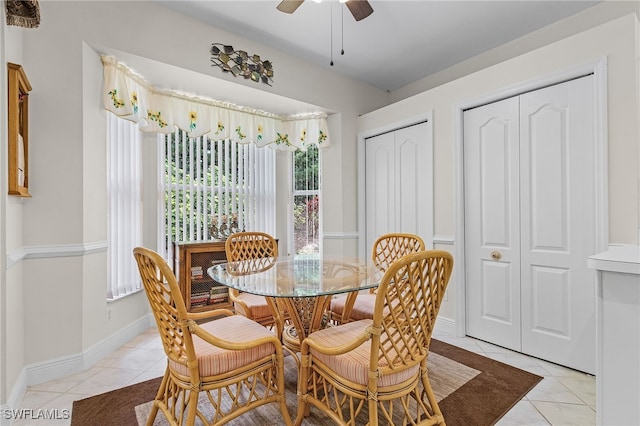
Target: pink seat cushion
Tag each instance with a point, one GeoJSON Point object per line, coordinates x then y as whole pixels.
{"type": "Point", "coordinates": [337, 304]}
{"type": "Point", "coordinates": [354, 365]}
{"type": "Point", "coordinates": [213, 360]}
{"type": "Point", "coordinates": [258, 307]}
{"type": "Point", "coordinates": [362, 308]}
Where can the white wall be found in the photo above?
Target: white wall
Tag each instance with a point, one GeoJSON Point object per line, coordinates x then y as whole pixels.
{"type": "Point", "coordinates": [603, 12]}
{"type": "Point", "coordinates": [11, 225]}
{"type": "Point", "coordinates": [55, 293]}
{"type": "Point", "coordinates": [618, 42]}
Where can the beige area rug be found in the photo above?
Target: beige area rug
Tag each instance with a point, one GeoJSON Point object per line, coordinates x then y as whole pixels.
{"type": "Point", "coordinates": [446, 376]}
{"type": "Point", "coordinates": [472, 391]}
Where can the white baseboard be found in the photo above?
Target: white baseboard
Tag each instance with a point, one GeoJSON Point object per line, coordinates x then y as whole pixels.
{"type": "Point", "coordinates": [101, 349]}
{"type": "Point", "coordinates": [15, 397]}
{"type": "Point", "coordinates": [54, 369]}
{"type": "Point", "coordinates": [445, 326]}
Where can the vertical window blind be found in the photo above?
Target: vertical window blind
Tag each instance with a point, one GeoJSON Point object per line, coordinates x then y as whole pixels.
{"type": "Point", "coordinates": [124, 191]}
{"type": "Point", "coordinates": [205, 179]}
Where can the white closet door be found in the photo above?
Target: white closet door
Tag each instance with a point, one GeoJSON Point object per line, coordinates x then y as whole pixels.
{"type": "Point", "coordinates": [413, 168]}
{"type": "Point", "coordinates": [492, 224]}
{"type": "Point", "coordinates": [398, 183]}
{"type": "Point", "coordinates": [557, 213]}
{"type": "Point", "coordinates": [380, 186]}
{"type": "Point", "coordinates": [530, 223]}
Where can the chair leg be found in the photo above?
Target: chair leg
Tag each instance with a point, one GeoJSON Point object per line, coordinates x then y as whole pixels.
{"type": "Point", "coordinates": [438, 418]}
{"type": "Point", "coordinates": [303, 377]}
{"type": "Point", "coordinates": [159, 397]}
{"type": "Point", "coordinates": [193, 406]}
{"type": "Point", "coordinates": [373, 411]}
{"type": "Point", "coordinates": [280, 381]}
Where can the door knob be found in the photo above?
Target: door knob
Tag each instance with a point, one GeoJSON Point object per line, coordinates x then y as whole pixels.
{"type": "Point", "coordinates": [496, 255]}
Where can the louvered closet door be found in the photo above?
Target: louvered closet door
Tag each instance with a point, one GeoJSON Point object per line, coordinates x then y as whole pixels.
{"type": "Point", "coordinates": [530, 223]}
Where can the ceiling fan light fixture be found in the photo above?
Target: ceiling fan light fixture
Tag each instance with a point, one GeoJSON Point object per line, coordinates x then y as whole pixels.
{"type": "Point", "coordinates": [360, 9]}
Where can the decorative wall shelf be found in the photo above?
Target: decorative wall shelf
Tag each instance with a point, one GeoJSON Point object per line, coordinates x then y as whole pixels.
{"type": "Point", "coordinates": [19, 88]}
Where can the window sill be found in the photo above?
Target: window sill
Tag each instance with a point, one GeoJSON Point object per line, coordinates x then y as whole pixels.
{"type": "Point", "coordinates": [115, 299]}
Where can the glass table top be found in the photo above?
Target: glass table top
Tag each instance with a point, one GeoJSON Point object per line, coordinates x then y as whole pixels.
{"type": "Point", "coordinates": [297, 276]}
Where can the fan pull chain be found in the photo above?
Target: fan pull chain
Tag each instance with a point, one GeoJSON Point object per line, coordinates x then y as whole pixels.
{"type": "Point", "coordinates": [342, 31]}
{"type": "Point", "coordinates": [331, 32]}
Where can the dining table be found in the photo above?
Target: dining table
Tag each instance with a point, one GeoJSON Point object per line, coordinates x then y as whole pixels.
{"type": "Point", "coordinates": [300, 285]}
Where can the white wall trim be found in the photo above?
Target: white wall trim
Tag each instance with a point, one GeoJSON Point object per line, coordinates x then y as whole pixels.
{"type": "Point", "coordinates": [58, 368]}
{"type": "Point", "coordinates": [353, 235]}
{"type": "Point", "coordinates": [599, 70]}
{"type": "Point", "coordinates": [447, 240]}
{"type": "Point", "coordinates": [65, 250]}
{"type": "Point", "coordinates": [15, 397]}
{"type": "Point", "coordinates": [15, 257]}
{"type": "Point", "coordinates": [361, 174]}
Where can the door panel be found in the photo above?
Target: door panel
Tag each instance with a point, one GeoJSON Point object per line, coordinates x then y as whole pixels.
{"type": "Point", "coordinates": [412, 167]}
{"type": "Point", "coordinates": [496, 280]}
{"type": "Point", "coordinates": [380, 185]}
{"type": "Point", "coordinates": [397, 164]}
{"type": "Point", "coordinates": [550, 301]}
{"type": "Point", "coordinates": [547, 177]}
{"type": "Point", "coordinates": [491, 223]}
{"type": "Point", "coordinates": [558, 210]}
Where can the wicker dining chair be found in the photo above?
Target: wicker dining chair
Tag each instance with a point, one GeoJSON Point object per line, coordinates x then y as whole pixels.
{"type": "Point", "coordinates": [239, 364]}
{"type": "Point", "coordinates": [377, 368]}
{"type": "Point", "coordinates": [253, 246]}
{"type": "Point", "coordinates": [386, 249]}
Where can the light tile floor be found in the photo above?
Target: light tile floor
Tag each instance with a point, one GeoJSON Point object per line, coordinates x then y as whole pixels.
{"type": "Point", "coordinates": [563, 397]}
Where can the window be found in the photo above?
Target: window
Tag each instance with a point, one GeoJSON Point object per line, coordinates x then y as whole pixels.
{"type": "Point", "coordinates": [306, 200]}
{"type": "Point", "coordinates": [221, 180]}
{"type": "Point", "coordinates": [124, 182]}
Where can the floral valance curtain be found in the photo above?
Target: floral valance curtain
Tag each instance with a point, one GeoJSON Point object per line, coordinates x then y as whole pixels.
{"type": "Point", "coordinates": [157, 110]}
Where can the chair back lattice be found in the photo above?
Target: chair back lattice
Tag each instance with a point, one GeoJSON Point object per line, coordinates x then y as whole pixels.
{"type": "Point", "coordinates": [167, 305]}
{"type": "Point", "coordinates": [390, 247]}
{"type": "Point", "coordinates": [250, 245]}
{"type": "Point", "coordinates": [407, 305]}
{"type": "Point", "coordinates": [250, 266]}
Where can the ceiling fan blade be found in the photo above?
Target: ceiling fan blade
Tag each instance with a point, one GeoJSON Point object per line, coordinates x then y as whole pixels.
{"type": "Point", "coordinates": [360, 9]}
{"type": "Point", "coordinates": [289, 6]}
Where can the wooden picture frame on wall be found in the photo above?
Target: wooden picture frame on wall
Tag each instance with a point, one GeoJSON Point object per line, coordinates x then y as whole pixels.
{"type": "Point", "coordinates": [19, 88]}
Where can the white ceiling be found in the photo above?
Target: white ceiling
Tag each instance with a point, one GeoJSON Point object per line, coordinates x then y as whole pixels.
{"type": "Point", "coordinates": [401, 42]}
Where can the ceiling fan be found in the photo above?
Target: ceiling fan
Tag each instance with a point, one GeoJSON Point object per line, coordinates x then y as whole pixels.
{"type": "Point", "coordinates": [360, 9]}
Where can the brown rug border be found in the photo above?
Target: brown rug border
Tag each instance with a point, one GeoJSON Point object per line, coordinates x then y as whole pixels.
{"type": "Point", "coordinates": [488, 389]}
{"type": "Point", "coordinates": [124, 414]}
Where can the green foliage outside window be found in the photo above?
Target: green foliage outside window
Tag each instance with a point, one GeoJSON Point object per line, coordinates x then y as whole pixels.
{"type": "Point", "coordinates": [306, 211]}
{"type": "Point", "coordinates": [198, 186]}
{"type": "Point", "coordinates": [197, 177]}
{"type": "Point", "coordinates": [306, 166]}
